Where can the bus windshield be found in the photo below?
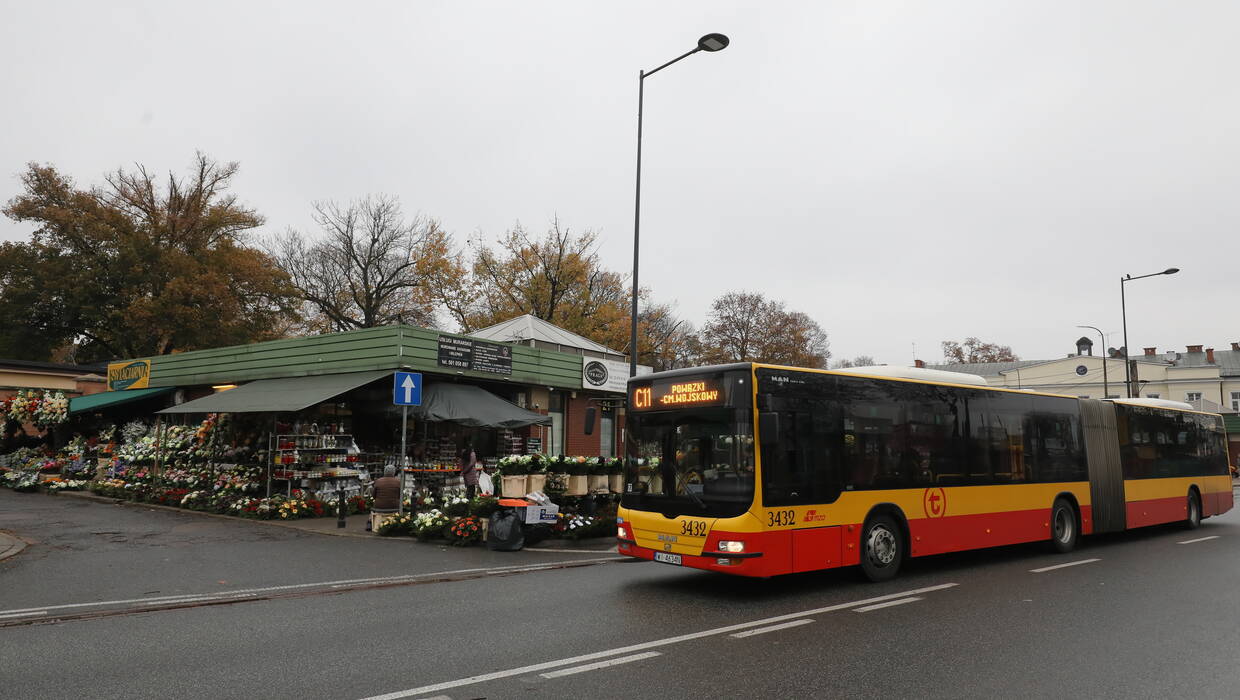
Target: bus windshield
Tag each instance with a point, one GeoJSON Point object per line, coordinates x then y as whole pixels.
{"type": "Point", "coordinates": [690, 462]}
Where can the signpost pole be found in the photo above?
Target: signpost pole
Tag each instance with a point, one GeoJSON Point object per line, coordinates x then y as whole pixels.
{"type": "Point", "coordinates": [404, 424]}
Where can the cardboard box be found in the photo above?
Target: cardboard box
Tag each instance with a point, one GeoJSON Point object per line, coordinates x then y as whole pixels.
{"type": "Point", "coordinates": [535, 514]}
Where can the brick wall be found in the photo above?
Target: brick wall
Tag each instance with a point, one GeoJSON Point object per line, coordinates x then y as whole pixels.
{"type": "Point", "coordinates": [576, 442]}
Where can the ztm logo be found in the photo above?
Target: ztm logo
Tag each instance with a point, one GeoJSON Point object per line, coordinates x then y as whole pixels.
{"type": "Point", "coordinates": [934, 500]}
{"type": "Point", "coordinates": [814, 516]}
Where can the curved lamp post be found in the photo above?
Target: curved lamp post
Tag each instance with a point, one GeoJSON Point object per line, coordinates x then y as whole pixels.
{"type": "Point", "coordinates": [1124, 312]}
{"type": "Point", "coordinates": [1106, 391]}
{"type": "Point", "coordinates": [709, 43]}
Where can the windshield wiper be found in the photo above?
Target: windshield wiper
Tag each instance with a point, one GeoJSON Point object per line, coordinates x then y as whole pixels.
{"type": "Point", "coordinates": [694, 496]}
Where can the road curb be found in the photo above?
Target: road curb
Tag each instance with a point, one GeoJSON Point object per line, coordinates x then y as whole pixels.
{"type": "Point", "coordinates": [10, 546]}
{"type": "Point", "coordinates": [86, 496]}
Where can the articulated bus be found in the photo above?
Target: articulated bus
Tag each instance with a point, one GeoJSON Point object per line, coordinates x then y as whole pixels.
{"type": "Point", "coordinates": [762, 470]}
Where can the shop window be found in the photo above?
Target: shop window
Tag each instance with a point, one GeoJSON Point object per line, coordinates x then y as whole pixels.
{"type": "Point", "coordinates": [607, 433]}
{"type": "Point", "coordinates": [555, 408]}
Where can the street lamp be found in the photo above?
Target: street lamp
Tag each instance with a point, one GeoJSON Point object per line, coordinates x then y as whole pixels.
{"type": "Point", "coordinates": [1106, 392]}
{"type": "Point", "coordinates": [1124, 312]}
{"type": "Point", "coordinates": [709, 43]}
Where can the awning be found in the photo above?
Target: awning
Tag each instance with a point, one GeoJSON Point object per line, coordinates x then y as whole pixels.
{"type": "Point", "coordinates": [473, 406]}
{"type": "Point", "coordinates": [286, 394]}
{"type": "Point", "coordinates": [94, 402]}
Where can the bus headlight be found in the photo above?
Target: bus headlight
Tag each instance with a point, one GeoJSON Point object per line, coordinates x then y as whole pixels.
{"type": "Point", "coordinates": [732, 546]}
{"type": "Point", "coordinates": [621, 533]}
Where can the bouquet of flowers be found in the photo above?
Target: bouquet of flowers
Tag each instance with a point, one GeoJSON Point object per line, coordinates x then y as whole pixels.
{"type": "Point", "coordinates": [52, 409]}
{"type": "Point", "coordinates": [133, 431]}
{"type": "Point", "coordinates": [395, 525]}
{"type": "Point", "coordinates": [428, 524]}
{"type": "Point", "coordinates": [464, 531]}
{"type": "Point", "coordinates": [455, 504]}
{"type": "Point", "coordinates": [67, 485]}
{"type": "Point", "coordinates": [22, 406]}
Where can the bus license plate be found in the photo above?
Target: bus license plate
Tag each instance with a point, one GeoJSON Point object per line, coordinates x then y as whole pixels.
{"type": "Point", "coordinates": [667, 558]}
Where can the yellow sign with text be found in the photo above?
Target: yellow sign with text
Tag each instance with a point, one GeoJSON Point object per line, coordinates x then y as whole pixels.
{"type": "Point", "coordinates": [135, 374]}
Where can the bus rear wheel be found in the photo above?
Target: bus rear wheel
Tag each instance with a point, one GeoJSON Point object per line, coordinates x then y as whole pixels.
{"type": "Point", "coordinates": [1193, 521]}
{"type": "Point", "coordinates": [882, 548]}
{"type": "Point", "coordinates": [1063, 526]}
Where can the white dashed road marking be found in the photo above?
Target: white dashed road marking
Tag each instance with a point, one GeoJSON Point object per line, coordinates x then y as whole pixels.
{"type": "Point", "coordinates": [600, 664]}
{"type": "Point", "coordinates": [888, 604]}
{"type": "Point", "coordinates": [1063, 566]}
{"type": "Point", "coordinates": [772, 628]}
{"type": "Point", "coordinates": [1199, 539]}
{"type": "Point", "coordinates": [534, 668]}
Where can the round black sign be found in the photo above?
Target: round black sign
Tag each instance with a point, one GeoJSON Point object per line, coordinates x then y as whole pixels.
{"type": "Point", "coordinates": [596, 373]}
{"type": "Point", "coordinates": [1081, 370]}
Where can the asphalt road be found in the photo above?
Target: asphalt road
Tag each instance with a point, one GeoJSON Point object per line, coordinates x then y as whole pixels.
{"type": "Point", "coordinates": [1148, 614]}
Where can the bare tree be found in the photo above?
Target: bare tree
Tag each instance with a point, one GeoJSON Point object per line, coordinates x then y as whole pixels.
{"type": "Point", "coordinates": [372, 267]}
{"type": "Point", "coordinates": [858, 361]}
{"type": "Point", "coordinates": [746, 327]}
{"type": "Point", "coordinates": [974, 350]}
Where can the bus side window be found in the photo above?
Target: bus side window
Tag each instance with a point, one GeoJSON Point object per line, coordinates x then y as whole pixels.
{"type": "Point", "coordinates": [801, 468]}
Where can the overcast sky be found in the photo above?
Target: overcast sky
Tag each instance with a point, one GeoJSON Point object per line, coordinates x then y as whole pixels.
{"type": "Point", "coordinates": [904, 173]}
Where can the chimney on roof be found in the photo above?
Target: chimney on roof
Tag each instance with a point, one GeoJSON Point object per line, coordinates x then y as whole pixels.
{"type": "Point", "coordinates": [1235, 347]}
{"type": "Point", "coordinates": [1209, 356]}
{"type": "Point", "coordinates": [1194, 348]}
{"type": "Point", "coordinates": [1150, 352]}
{"type": "Point", "coordinates": [919, 363]}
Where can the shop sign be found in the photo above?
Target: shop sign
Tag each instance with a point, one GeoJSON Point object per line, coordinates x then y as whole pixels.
{"type": "Point", "coordinates": [463, 353]}
{"type": "Point", "coordinates": [604, 375]}
{"type": "Point", "coordinates": [492, 357]}
{"type": "Point", "coordinates": [129, 375]}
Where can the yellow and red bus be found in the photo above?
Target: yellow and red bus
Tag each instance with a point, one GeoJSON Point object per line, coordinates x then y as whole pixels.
{"type": "Point", "coordinates": [761, 470]}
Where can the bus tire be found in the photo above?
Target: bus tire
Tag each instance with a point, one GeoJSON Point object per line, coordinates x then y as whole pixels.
{"type": "Point", "coordinates": [1193, 519]}
{"type": "Point", "coordinates": [1064, 529]}
{"type": "Point", "coordinates": [882, 548]}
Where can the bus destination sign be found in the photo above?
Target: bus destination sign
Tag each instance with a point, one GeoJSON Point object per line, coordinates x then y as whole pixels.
{"type": "Point", "coordinates": [695, 392]}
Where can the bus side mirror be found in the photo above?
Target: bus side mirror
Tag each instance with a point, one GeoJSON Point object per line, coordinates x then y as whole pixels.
{"type": "Point", "coordinates": [590, 415]}
{"type": "Point", "coordinates": [768, 427]}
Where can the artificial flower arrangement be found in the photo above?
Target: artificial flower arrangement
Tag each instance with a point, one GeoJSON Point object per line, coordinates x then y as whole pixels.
{"type": "Point", "coordinates": [53, 409]}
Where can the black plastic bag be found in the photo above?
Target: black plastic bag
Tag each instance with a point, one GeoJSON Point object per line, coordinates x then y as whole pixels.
{"type": "Point", "coordinates": [504, 534]}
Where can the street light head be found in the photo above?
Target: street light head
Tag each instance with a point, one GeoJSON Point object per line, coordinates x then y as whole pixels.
{"type": "Point", "coordinates": [1171, 270]}
{"type": "Point", "coordinates": [713, 42]}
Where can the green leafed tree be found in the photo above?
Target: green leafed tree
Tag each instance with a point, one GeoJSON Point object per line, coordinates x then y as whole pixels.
{"type": "Point", "coordinates": [135, 267]}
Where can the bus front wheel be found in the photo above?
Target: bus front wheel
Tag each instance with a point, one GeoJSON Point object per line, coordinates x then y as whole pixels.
{"type": "Point", "coordinates": [1193, 521]}
{"type": "Point", "coordinates": [882, 548]}
{"type": "Point", "coordinates": [1063, 526]}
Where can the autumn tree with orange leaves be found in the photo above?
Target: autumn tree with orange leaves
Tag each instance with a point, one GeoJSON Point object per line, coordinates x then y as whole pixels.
{"type": "Point", "coordinates": [136, 267]}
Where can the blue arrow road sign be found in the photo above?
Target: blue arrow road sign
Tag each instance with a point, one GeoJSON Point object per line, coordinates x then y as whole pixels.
{"type": "Point", "coordinates": [407, 389]}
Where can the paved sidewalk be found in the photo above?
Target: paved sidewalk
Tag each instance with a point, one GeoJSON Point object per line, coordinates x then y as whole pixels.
{"type": "Point", "coordinates": [9, 546]}
{"type": "Point", "coordinates": [355, 525]}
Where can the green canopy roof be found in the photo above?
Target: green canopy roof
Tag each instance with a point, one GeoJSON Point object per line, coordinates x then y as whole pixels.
{"type": "Point", "coordinates": [94, 402]}
{"type": "Point", "coordinates": [274, 395]}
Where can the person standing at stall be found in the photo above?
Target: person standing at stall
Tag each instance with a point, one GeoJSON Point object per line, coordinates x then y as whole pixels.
{"type": "Point", "coordinates": [468, 464]}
